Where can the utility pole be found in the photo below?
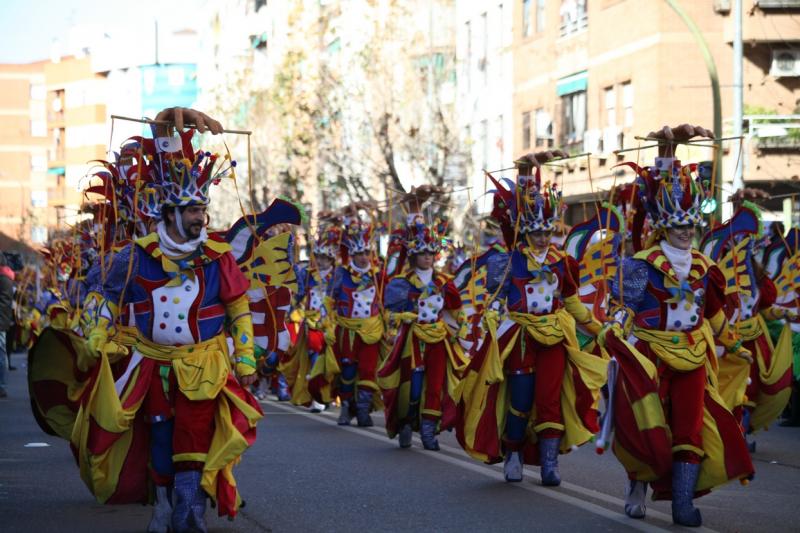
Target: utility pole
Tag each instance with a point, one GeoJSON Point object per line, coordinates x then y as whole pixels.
{"type": "Point", "coordinates": [711, 66]}
{"type": "Point", "coordinates": [738, 82]}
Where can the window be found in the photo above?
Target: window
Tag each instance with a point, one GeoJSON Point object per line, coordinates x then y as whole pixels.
{"type": "Point", "coordinates": [627, 104]}
{"type": "Point", "coordinates": [544, 128]}
{"type": "Point", "coordinates": [573, 117]}
{"type": "Point", "coordinates": [483, 64]}
{"type": "Point", "coordinates": [610, 106]}
{"type": "Point", "coordinates": [573, 16]}
{"type": "Point", "coordinates": [540, 16]}
{"type": "Point", "coordinates": [500, 28]}
{"type": "Point", "coordinates": [38, 128]}
{"type": "Point", "coordinates": [499, 143]}
{"type": "Point", "coordinates": [484, 144]}
{"type": "Point", "coordinates": [526, 130]}
{"type": "Point", "coordinates": [501, 31]}
{"type": "Point", "coordinates": [38, 91]}
{"type": "Point", "coordinates": [38, 234]}
{"type": "Point", "coordinates": [38, 163]}
{"type": "Point", "coordinates": [526, 18]}
{"type": "Point", "coordinates": [468, 62]}
{"type": "Point", "coordinates": [258, 4]}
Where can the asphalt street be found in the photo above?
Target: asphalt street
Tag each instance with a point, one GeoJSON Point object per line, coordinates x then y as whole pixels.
{"type": "Point", "coordinates": [307, 474]}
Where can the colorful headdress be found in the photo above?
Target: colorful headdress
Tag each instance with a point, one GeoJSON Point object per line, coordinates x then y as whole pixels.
{"type": "Point", "coordinates": [327, 241]}
{"type": "Point", "coordinates": [422, 237]}
{"type": "Point", "coordinates": [670, 197]}
{"type": "Point", "coordinates": [184, 177]}
{"type": "Point", "coordinates": [357, 236]}
{"type": "Point", "coordinates": [527, 205]}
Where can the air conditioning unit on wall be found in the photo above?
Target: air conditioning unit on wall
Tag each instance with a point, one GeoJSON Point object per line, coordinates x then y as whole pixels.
{"type": "Point", "coordinates": [785, 62]}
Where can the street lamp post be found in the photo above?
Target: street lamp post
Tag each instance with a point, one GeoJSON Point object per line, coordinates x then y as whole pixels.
{"type": "Point", "coordinates": [711, 66]}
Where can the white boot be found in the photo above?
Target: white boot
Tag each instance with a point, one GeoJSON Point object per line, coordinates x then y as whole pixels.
{"type": "Point", "coordinates": [317, 407]}
{"type": "Point", "coordinates": [635, 495]}
{"type": "Point", "coordinates": [512, 469]}
{"type": "Point", "coordinates": [161, 520]}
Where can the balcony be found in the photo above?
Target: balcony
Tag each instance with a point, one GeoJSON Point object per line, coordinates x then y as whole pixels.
{"type": "Point", "coordinates": [774, 133]}
{"type": "Point", "coordinates": [778, 4]}
{"type": "Point", "coordinates": [573, 17]}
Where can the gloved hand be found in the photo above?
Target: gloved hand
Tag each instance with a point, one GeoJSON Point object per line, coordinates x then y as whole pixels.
{"type": "Point", "coordinates": [610, 328]}
{"type": "Point", "coordinates": [98, 336]}
{"type": "Point", "coordinates": [744, 353]}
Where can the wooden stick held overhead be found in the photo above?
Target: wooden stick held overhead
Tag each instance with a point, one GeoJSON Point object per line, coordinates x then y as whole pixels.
{"type": "Point", "coordinates": [166, 123]}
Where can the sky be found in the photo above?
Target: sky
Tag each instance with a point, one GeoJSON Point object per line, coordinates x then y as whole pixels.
{"type": "Point", "coordinates": [29, 27]}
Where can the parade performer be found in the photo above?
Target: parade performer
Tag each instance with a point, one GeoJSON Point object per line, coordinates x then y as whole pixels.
{"type": "Point", "coordinates": [756, 392]}
{"type": "Point", "coordinates": [671, 427]}
{"type": "Point", "coordinates": [354, 330]}
{"type": "Point", "coordinates": [596, 245]}
{"type": "Point", "coordinates": [60, 366]}
{"type": "Point", "coordinates": [310, 344]}
{"type": "Point", "coordinates": [177, 408]}
{"type": "Point", "coordinates": [419, 377]}
{"type": "Point", "coordinates": [263, 246]}
{"type": "Point", "coordinates": [530, 393]}
{"type": "Point", "coordinates": [782, 264]}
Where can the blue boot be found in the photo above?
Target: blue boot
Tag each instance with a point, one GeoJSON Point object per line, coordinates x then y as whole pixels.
{"type": "Point", "coordinates": [512, 467]}
{"type": "Point", "coordinates": [189, 503]}
{"type": "Point", "coordinates": [427, 432]}
{"type": "Point", "coordinates": [404, 437]}
{"type": "Point", "coordinates": [363, 407]}
{"type": "Point", "coordinates": [283, 389]}
{"type": "Point", "coordinates": [684, 480]}
{"type": "Point", "coordinates": [344, 413]}
{"type": "Point", "coordinates": [548, 454]}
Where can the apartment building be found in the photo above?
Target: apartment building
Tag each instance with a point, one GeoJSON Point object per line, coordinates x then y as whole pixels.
{"type": "Point", "coordinates": [23, 153]}
{"type": "Point", "coordinates": [76, 129]}
{"type": "Point", "coordinates": [590, 76]}
{"type": "Point", "coordinates": [485, 91]}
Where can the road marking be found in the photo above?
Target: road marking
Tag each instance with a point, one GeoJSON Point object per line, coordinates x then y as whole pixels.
{"type": "Point", "coordinates": [37, 445]}
{"type": "Point", "coordinates": [493, 471]}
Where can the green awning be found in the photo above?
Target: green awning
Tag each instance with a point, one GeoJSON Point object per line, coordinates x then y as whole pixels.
{"type": "Point", "coordinates": [56, 170]}
{"type": "Point", "coordinates": [572, 84]}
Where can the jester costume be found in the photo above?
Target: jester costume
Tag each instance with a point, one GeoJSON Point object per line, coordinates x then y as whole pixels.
{"type": "Point", "coordinates": [311, 299]}
{"type": "Point", "coordinates": [782, 264]}
{"type": "Point", "coordinates": [671, 427]}
{"type": "Point", "coordinates": [419, 377]}
{"type": "Point", "coordinates": [530, 393]}
{"type": "Point", "coordinates": [176, 407]}
{"type": "Point", "coordinates": [353, 332]}
{"type": "Point", "coordinates": [265, 254]}
{"type": "Point", "coordinates": [756, 392]}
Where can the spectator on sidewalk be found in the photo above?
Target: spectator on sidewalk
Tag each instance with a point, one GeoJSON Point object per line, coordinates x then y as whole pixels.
{"type": "Point", "coordinates": [6, 317]}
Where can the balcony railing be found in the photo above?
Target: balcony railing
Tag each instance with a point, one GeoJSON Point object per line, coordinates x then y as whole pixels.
{"type": "Point", "coordinates": [778, 4]}
{"type": "Point", "coordinates": [570, 25]}
{"type": "Point", "coordinates": [773, 132]}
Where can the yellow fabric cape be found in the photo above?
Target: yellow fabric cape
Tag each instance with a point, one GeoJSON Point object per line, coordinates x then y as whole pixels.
{"type": "Point", "coordinates": [397, 391]}
{"type": "Point", "coordinates": [548, 330]}
{"type": "Point", "coordinates": [734, 372]}
{"type": "Point", "coordinates": [326, 368]}
{"type": "Point", "coordinates": [202, 372]}
{"type": "Point", "coordinates": [713, 470]}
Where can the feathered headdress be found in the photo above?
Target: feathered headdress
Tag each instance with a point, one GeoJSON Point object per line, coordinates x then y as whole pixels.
{"type": "Point", "coordinates": [670, 197]}
{"type": "Point", "coordinates": [527, 205]}
{"type": "Point", "coordinates": [184, 177]}
{"type": "Point", "coordinates": [327, 241]}
{"type": "Point", "coordinates": [356, 237]}
{"type": "Point", "coordinates": [422, 237]}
